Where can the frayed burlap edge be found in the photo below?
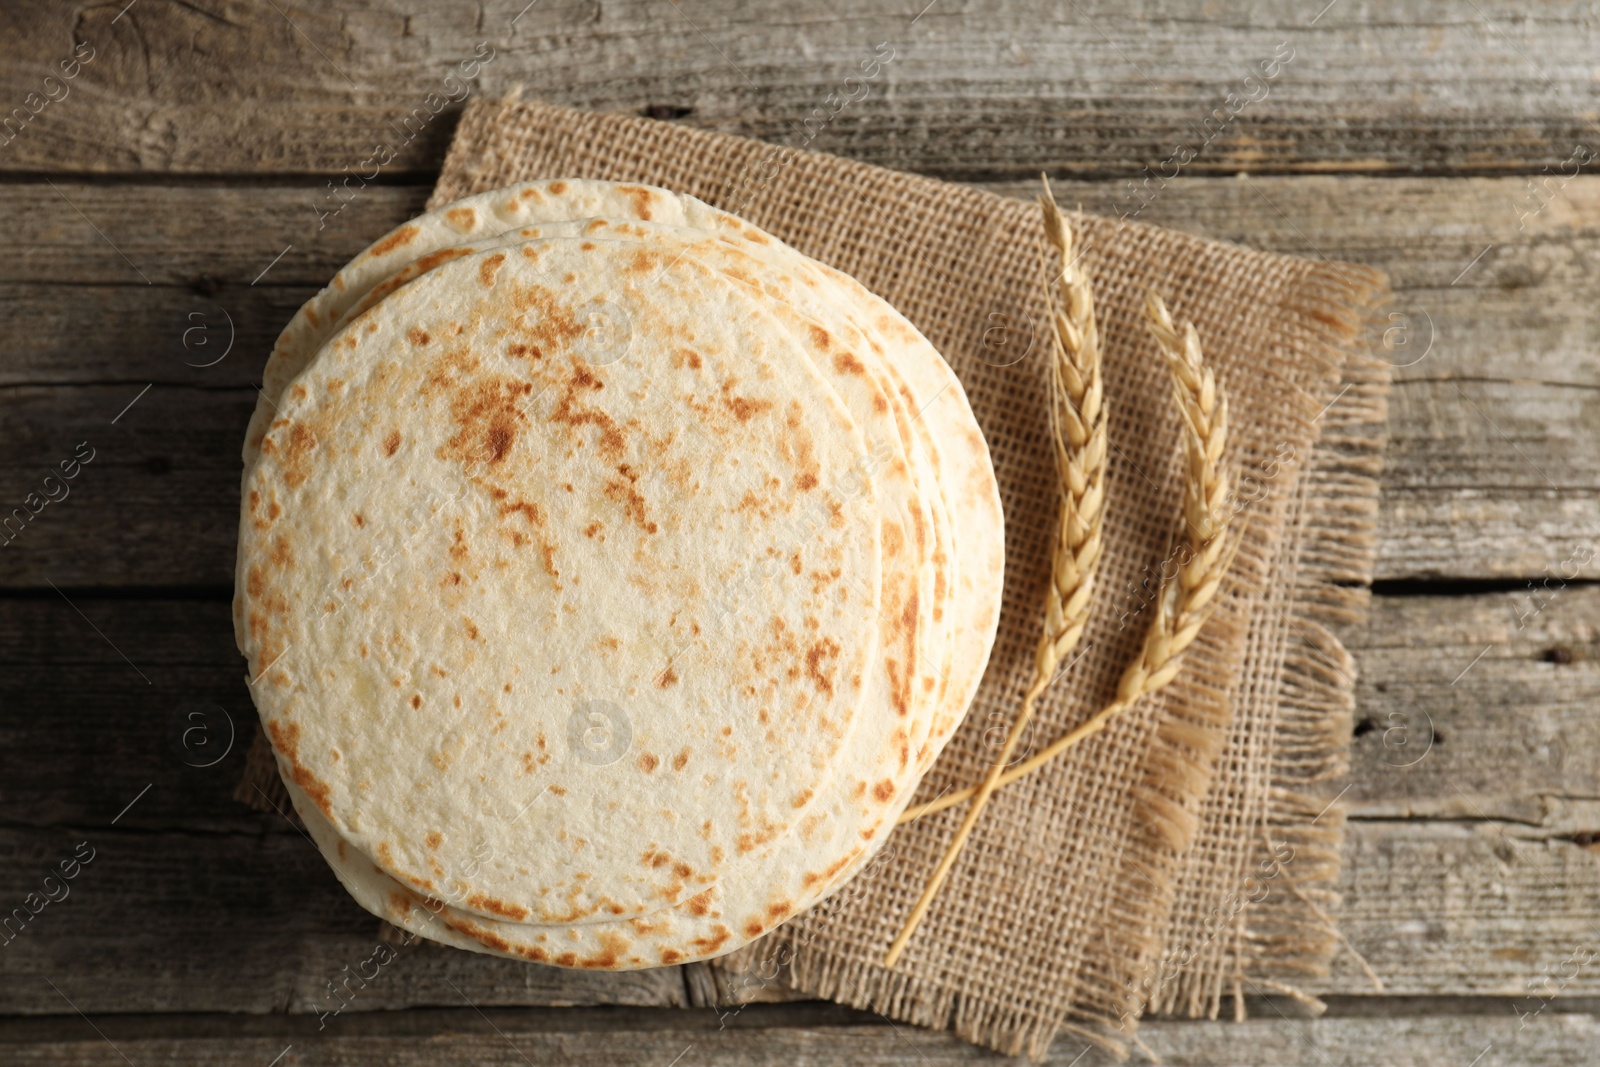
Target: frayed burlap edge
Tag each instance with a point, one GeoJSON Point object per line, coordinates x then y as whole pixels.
{"type": "Point", "coordinates": [1293, 843]}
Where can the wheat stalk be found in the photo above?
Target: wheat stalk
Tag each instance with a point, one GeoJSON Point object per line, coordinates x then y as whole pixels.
{"type": "Point", "coordinates": [1078, 431]}
{"type": "Point", "coordinates": [1185, 600]}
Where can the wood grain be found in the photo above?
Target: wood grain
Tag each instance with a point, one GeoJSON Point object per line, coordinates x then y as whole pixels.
{"type": "Point", "coordinates": [240, 923]}
{"type": "Point", "coordinates": [788, 1036]}
{"type": "Point", "coordinates": [224, 86]}
{"type": "Point", "coordinates": [1492, 471]}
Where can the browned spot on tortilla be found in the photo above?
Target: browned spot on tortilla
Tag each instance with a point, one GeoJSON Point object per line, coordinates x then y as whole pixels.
{"type": "Point", "coordinates": [753, 928]}
{"type": "Point", "coordinates": [398, 239]}
{"type": "Point", "coordinates": [612, 946]}
{"type": "Point", "coordinates": [682, 357]}
{"type": "Point", "coordinates": [903, 631]}
{"type": "Point", "coordinates": [478, 934]}
{"type": "Point", "coordinates": [571, 412]}
{"type": "Point", "coordinates": [632, 501]}
{"type": "Point", "coordinates": [488, 414]}
{"type": "Point", "coordinates": [279, 554]}
{"type": "Point", "coordinates": [797, 448]}
{"type": "Point", "coordinates": [681, 760]}
{"type": "Point", "coordinates": [826, 649]}
{"type": "Point", "coordinates": [593, 528]}
{"type": "Point", "coordinates": [463, 217]}
{"type": "Point", "coordinates": [847, 363]}
{"type": "Point", "coordinates": [641, 198]}
{"type": "Point", "coordinates": [794, 563]}
{"type": "Point", "coordinates": [514, 912]}
{"type": "Point", "coordinates": [298, 391]}
{"type": "Point", "coordinates": [302, 442]}
{"type": "Point", "coordinates": [434, 839]}
{"type": "Point", "coordinates": [418, 336]}
{"type": "Point", "coordinates": [666, 678]}
{"type": "Point", "coordinates": [391, 444]}
{"type": "Point", "coordinates": [648, 762]}
{"type": "Point", "coordinates": [670, 956]}
{"type": "Point", "coordinates": [472, 630]}
{"type": "Point", "coordinates": [588, 246]}
{"type": "Point", "coordinates": [894, 539]}
{"type": "Point", "coordinates": [558, 187]}
{"type": "Point", "coordinates": [820, 337]}
{"type": "Point", "coordinates": [779, 908]}
{"type": "Point", "coordinates": [711, 944]}
{"type": "Point", "coordinates": [255, 583]}
{"type": "Point", "coordinates": [489, 267]}
{"type": "Point", "coordinates": [286, 739]}
{"type": "Point", "coordinates": [884, 790]}
{"type": "Point", "coordinates": [643, 262]}
{"type": "Point", "coordinates": [357, 521]}
{"type": "Point", "coordinates": [527, 509]}
{"type": "Point", "coordinates": [743, 408]}
{"type": "Point", "coordinates": [802, 799]}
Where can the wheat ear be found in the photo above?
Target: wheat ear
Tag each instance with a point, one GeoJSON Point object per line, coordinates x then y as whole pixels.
{"type": "Point", "coordinates": [1186, 599]}
{"type": "Point", "coordinates": [1078, 431]}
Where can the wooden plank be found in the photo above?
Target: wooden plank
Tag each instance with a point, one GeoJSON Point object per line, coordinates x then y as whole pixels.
{"type": "Point", "coordinates": [238, 923]}
{"type": "Point", "coordinates": [157, 503]}
{"type": "Point", "coordinates": [134, 333]}
{"type": "Point", "coordinates": [1473, 908]}
{"type": "Point", "coordinates": [222, 86]}
{"type": "Point", "coordinates": [782, 1037]}
{"type": "Point", "coordinates": [1492, 469]}
{"type": "Point", "coordinates": [1472, 707]}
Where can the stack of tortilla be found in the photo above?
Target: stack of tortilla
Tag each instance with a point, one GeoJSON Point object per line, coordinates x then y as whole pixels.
{"type": "Point", "coordinates": [609, 574]}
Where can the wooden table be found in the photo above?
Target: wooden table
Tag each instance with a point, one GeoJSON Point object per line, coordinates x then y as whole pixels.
{"type": "Point", "coordinates": [173, 195]}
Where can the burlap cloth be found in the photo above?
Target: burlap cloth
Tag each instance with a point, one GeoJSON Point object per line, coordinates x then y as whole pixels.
{"type": "Point", "coordinates": [1183, 855]}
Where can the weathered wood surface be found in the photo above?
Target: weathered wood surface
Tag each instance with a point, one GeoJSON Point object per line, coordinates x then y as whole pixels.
{"type": "Point", "coordinates": [189, 164]}
{"type": "Point", "coordinates": [219, 86]}
{"type": "Point", "coordinates": [788, 1036]}
{"type": "Point", "coordinates": [1493, 469]}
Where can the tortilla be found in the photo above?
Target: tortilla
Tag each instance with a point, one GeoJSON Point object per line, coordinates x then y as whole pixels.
{"type": "Point", "coordinates": [891, 366]}
{"type": "Point", "coordinates": [488, 600]}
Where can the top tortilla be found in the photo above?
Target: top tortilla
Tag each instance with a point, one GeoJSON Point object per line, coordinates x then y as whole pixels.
{"type": "Point", "coordinates": [476, 585]}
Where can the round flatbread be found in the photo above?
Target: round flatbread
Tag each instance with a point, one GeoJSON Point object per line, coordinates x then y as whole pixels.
{"type": "Point", "coordinates": [544, 556]}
